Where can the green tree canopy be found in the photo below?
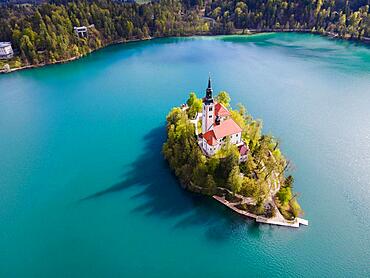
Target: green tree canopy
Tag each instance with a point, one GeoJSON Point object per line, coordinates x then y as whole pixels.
{"type": "Point", "coordinates": [223, 98]}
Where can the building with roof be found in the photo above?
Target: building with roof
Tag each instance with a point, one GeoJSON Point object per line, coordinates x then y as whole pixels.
{"type": "Point", "coordinates": [217, 126]}
{"type": "Point", "coordinates": [6, 50]}
{"type": "Point", "coordinates": [81, 31]}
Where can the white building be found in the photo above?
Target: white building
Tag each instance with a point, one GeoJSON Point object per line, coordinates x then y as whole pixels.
{"type": "Point", "coordinates": [6, 50]}
{"type": "Point", "coordinates": [217, 125]}
{"type": "Point", "coordinates": [81, 31]}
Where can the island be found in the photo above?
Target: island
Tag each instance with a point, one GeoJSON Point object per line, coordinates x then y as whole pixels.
{"type": "Point", "coordinates": [220, 152]}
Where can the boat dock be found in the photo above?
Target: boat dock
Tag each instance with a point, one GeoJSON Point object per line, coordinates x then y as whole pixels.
{"type": "Point", "coordinates": [277, 220]}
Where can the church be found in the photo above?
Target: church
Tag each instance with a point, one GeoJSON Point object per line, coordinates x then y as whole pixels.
{"type": "Point", "coordinates": [217, 125]}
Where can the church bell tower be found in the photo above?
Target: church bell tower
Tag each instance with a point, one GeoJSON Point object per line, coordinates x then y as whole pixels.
{"type": "Point", "coordinates": [208, 109]}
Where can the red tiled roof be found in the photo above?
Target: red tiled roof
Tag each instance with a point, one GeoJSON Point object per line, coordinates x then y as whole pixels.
{"type": "Point", "coordinates": [210, 138]}
{"type": "Point", "coordinates": [221, 111]}
{"type": "Point", "coordinates": [226, 128]}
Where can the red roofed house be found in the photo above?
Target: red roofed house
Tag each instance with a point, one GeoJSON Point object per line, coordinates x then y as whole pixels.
{"type": "Point", "coordinates": [217, 125]}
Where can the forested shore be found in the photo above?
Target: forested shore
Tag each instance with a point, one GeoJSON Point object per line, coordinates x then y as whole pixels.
{"type": "Point", "coordinates": [346, 19]}
{"type": "Point", "coordinates": [44, 34]}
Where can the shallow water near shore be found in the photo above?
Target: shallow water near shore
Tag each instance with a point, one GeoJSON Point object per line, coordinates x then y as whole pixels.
{"type": "Point", "coordinates": [84, 191]}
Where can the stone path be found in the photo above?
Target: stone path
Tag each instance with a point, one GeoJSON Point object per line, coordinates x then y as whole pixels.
{"type": "Point", "coordinates": [277, 220]}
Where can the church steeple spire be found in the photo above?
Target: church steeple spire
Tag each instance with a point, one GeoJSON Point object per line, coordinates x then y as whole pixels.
{"type": "Point", "coordinates": [208, 115]}
{"type": "Point", "coordinates": [209, 91]}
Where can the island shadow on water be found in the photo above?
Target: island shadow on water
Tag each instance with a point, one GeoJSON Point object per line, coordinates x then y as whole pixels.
{"type": "Point", "coordinates": [165, 198]}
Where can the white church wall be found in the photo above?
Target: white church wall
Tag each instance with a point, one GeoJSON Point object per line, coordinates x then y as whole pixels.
{"type": "Point", "coordinates": [236, 138]}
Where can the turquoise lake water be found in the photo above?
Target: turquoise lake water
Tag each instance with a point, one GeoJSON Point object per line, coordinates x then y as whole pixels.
{"type": "Point", "coordinates": [84, 191]}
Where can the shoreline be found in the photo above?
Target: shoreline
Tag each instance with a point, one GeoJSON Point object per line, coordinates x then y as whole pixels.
{"type": "Point", "coordinates": [277, 220]}
{"type": "Point", "coordinates": [74, 58]}
{"type": "Point", "coordinates": [238, 32]}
